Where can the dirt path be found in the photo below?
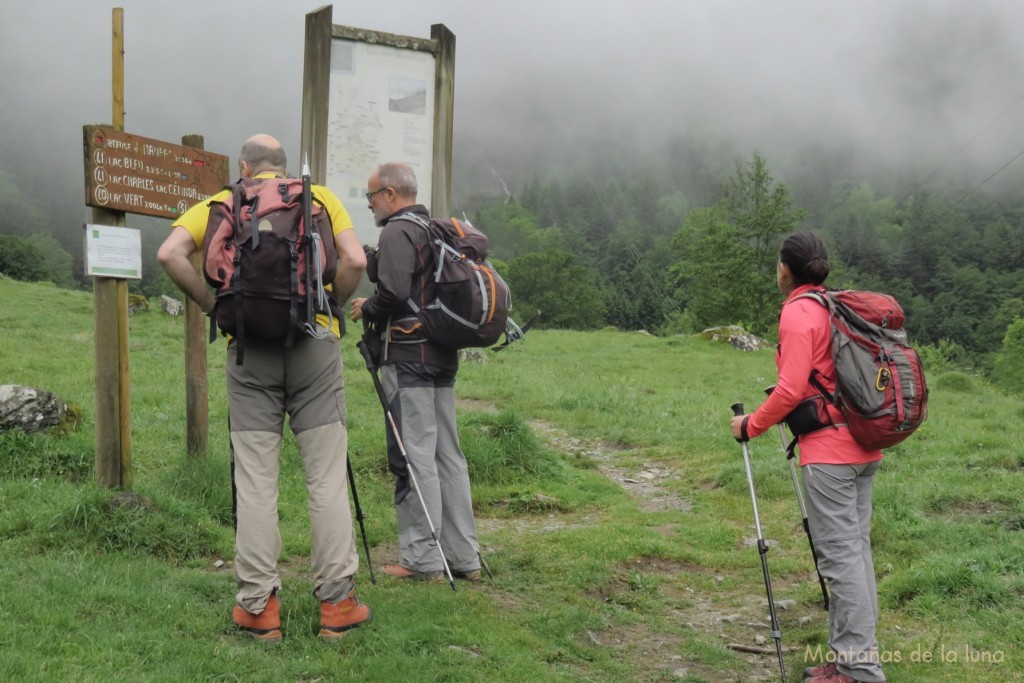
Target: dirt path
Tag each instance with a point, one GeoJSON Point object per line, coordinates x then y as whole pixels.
{"type": "Point", "coordinates": [741, 620]}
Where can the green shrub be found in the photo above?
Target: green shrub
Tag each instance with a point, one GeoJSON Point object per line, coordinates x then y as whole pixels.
{"type": "Point", "coordinates": [1008, 366]}
{"type": "Point", "coordinates": [955, 380]}
{"type": "Point", "coordinates": [679, 322]}
{"type": "Point", "coordinates": [942, 357]}
{"type": "Point", "coordinates": [21, 260]}
{"type": "Point", "coordinates": [552, 282]}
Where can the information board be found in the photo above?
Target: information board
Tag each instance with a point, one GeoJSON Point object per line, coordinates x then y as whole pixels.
{"type": "Point", "coordinates": [113, 252]}
{"type": "Point", "coordinates": [381, 109]}
{"type": "Point", "coordinates": [130, 173]}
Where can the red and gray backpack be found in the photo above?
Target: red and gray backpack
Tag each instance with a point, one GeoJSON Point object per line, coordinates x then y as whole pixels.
{"type": "Point", "coordinates": [268, 252]}
{"type": "Point", "coordinates": [470, 302]}
{"type": "Point", "coordinates": [880, 385]}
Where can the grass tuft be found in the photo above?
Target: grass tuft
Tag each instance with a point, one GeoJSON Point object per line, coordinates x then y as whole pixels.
{"type": "Point", "coordinates": [502, 449]}
{"type": "Point", "coordinates": [945, 579]}
{"type": "Point", "coordinates": [117, 522]}
{"type": "Point", "coordinates": [35, 456]}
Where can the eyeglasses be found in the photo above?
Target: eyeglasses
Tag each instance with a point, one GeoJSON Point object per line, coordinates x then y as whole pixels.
{"type": "Point", "coordinates": [369, 195]}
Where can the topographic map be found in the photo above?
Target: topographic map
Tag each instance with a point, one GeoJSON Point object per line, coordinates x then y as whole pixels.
{"type": "Point", "coordinates": [381, 109]}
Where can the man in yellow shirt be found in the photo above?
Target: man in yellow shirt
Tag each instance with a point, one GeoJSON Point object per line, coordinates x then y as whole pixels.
{"type": "Point", "coordinates": [303, 381]}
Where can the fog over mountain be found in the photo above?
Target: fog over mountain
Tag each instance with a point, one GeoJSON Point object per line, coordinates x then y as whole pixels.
{"type": "Point", "coordinates": [934, 86]}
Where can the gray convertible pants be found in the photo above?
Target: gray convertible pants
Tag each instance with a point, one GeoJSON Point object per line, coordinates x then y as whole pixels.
{"type": "Point", "coordinates": [304, 382]}
{"type": "Point", "coordinates": [839, 514]}
{"type": "Point", "coordinates": [422, 401]}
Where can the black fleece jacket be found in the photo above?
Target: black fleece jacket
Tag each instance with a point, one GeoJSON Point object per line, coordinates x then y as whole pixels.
{"type": "Point", "coordinates": [405, 264]}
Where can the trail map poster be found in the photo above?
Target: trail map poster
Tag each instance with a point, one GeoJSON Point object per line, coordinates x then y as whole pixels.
{"type": "Point", "coordinates": [381, 109]}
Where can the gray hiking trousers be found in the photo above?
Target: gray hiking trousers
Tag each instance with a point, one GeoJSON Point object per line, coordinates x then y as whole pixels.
{"type": "Point", "coordinates": [422, 401]}
{"type": "Point", "coordinates": [304, 382]}
{"type": "Point", "coordinates": [839, 515]}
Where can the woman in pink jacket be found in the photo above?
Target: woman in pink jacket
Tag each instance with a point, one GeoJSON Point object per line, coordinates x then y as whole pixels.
{"type": "Point", "coordinates": [837, 472]}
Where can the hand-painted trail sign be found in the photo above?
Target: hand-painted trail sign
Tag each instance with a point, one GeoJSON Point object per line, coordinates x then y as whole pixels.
{"type": "Point", "coordinates": [130, 173]}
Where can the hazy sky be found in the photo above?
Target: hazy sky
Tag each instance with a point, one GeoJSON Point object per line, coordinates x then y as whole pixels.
{"type": "Point", "coordinates": [917, 80]}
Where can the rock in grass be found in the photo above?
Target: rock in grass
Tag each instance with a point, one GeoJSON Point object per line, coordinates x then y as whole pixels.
{"type": "Point", "coordinates": [735, 335]}
{"type": "Point", "coordinates": [29, 409]}
{"type": "Point", "coordinates": [171, 306]}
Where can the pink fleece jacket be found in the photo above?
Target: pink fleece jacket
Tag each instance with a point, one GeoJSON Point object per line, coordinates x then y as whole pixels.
{"type": "Point", "coordinates": [805, 344]}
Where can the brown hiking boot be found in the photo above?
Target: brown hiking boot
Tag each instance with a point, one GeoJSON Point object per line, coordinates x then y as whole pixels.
{"type": "Point", "coordinates": [471, 575]}
{"type": "Point", "coordinates": [819, 671]}
{"type": "Point", "coordinates": [400, 572]}
{"type": "Point", "coordinates": [265, 626]}
{"type": "Point", "coordinates": [338, 617]}
{"type": "Point", "coordinates": [836, 677]}
{"type": "Point", "coordinates": [832, 676]}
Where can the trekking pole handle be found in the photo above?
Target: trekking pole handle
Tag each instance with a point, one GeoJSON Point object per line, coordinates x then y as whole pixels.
{"type": "Point", "coordinates": [737, 410]}
{"type": "Point", "coordinates": [365, 352]}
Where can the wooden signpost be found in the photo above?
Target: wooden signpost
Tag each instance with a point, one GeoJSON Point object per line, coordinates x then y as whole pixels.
{"type": "Point", "coordinates": [133, 174]}
{"type": "Point", "coordinates": [129, 173]}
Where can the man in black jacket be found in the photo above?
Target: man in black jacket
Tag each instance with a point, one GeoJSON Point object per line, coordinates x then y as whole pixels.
{"type": "Point", "coordinates": [418, 377]}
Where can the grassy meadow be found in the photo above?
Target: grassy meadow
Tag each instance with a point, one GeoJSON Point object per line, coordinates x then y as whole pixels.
{"type": "Point", "coordinates": [613, 511]}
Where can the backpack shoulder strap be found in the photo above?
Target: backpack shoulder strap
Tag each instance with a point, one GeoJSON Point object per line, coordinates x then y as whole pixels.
{"type": "Point", "coordinates": [413, 218]}
{"type": "Point", "coordinates": [822, 297]}
{"type": "Point", "coordinates": [819, 295]}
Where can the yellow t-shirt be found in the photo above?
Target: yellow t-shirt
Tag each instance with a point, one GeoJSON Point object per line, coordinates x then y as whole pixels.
{"type": "Point", "coordinates": [196, 218]}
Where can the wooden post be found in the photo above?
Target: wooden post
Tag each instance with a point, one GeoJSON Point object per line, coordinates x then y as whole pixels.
{"type": "Point", "coordinates": [444, 108]}
{"type": "Point", "coordinates": [197, 415]}
{"type": "Point", "coordinates": [107, 371]}
{"type": "Point", "coordinates": [110, 297]}
{"type": "Point", "coordinates": [117, 60]}
{"type": "Point", "coordinates": [316, 87]}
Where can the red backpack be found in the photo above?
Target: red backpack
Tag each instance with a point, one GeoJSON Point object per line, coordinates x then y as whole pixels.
{"type": "Point", "coordinates": [268, 253]}
{"type": "Point", "coordinates": [880, 385]}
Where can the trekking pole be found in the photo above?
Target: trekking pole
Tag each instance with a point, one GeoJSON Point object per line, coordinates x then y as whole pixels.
{"type": "Point", "coordinates": [316, 295]}
{"type": "Point", "coordinates": [368, 358]}
{"type": "Point", "coordinates": [762, 549]}
{"type": "Point", "coordinates": [803, 507]}
{"type": "Point", "coordinates": [483, 564]}
{"type": "Point", "coordinates": [359, 518]}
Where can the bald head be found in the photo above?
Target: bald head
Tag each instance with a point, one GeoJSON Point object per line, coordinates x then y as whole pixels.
{"type": "Point", "coordinates": [260, 154]}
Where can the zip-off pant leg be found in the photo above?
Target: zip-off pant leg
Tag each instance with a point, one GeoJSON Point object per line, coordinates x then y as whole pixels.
{"type": "Point", "coordinates": [257, 539]}
{"type": "Point", "coordinates": [458, 528]}
{"type": "Point", "coordinates": [334, 558]}
{"type": "Point", "coordinates": [839, 515]}
{"type": "Point", "coordinates": [422, 401]}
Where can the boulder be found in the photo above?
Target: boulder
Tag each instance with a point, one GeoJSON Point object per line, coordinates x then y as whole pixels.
{"type": "Point", "coordinates": [171, 306]}
{"type": "Point", "coordinates": [29, 409]}
{"type": "Point", "coordinates": [737, 336]}
{"type": "Point", "coordinates": [137, 303]}
{"type": "Point", "coordinates": [473, 356]}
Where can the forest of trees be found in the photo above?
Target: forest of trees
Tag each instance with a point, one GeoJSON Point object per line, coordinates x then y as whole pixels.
{"type": "Point", "coordinates": [688, 241]}
{"type": "Point", "coordinates": [682, 248]}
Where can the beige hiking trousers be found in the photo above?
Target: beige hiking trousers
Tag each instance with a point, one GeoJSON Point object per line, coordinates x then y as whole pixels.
{"type": "Point", "coordinates": [305, 383]}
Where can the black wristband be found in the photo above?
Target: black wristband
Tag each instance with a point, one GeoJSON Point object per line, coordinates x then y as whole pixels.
{"type": "Point", "coordinates": [743, 429]}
